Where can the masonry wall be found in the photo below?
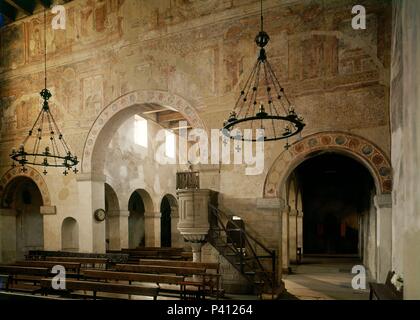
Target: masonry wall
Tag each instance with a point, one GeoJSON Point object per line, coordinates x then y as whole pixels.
{"type": "Point", "coordinates": [405, 106]}
{"type": "Point", "coordinates": [337, 78]}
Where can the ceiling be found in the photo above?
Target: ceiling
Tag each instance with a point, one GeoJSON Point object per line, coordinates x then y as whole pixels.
{"type": "Point", "coordinates": [12, 10]}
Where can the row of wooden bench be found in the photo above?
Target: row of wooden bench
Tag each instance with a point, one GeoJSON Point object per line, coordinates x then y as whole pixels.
{"type": "Point", "coordinates": [147, 271]}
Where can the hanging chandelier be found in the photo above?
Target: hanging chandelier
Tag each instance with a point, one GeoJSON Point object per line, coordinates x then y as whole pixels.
{"type": "Point", "coordinates": [262, 103]}
{"type": "Point", "coordinates": [45, 145]}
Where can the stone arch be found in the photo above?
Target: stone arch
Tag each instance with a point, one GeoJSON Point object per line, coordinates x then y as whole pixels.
{"type": "Point", "coordinates": [147, 200]}
{"type": "Point", "coordinates": [70, 235]}
{"type": "Point", "coordinates": [30, 173]}
{"type": "Point", "coordinates": [169, 234]}
{"type": "Point", "coordinates": [111, 199]}
{"type": "Point", "coordinates": [124, 104]}
{"type": "Point", "coordinates": [356, 147]}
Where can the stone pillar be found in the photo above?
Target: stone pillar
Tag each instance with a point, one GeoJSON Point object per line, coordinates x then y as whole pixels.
{"type": "Point", "coordinates": [194, 218]}
{"type": "Point", "coordinates": [299, 223]}
{"type": "Point", "coordinates": [152, 229]}
{"type": "Point", "coordinates": [52, 238]}
{"type": "Point", "coordinates": [7, 235]}
{"type": "Point", "coordinates": [177, 240]}
{"type": "Point", "coordinates": [383, 204]}
{"type": "Point", "coordinates": [285, 238]}
{"type": "Point", "coordinates": [292, 235]}
{"type": "Point", "coordinates": [276, 206]}
{"type": "Point", "coordinates": [118, 229]}
{"type": "Point", "coordinates": [91, 197]}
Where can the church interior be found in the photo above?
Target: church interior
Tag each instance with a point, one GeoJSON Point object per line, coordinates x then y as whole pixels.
{"type": "Point", "coordinates": [212, 149]}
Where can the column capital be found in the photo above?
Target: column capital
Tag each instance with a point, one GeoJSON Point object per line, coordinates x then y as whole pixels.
{"type": "Point", "coordinates": [383, 201]}
{"type": "Point", "coordinates": [48, 210]}
{"type": "Point", "coordinates": [293, 212]}
{"type": "Point", "coordinates": [300, 213]}
{"type": "Point", "coordinates": [89, 176]}
{"type": "Point", "coordinates": [156, 215]}
{"type": "Point", "coordinates": [270, 203]}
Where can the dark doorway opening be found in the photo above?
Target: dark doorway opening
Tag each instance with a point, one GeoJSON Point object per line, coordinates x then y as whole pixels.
{"type": "Point", "coordinates": [336, 191]}
{"type": "Point", "coordinates": [136, 231]}
{"type": "Point", "coordinates": [165, 223]}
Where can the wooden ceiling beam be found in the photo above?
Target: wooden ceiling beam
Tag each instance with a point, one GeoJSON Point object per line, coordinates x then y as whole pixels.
{"type": "Point", "coordinates": [8, 11]}
{"type": "Point", "coordinates": [168, 116]}
{"type": "Point", "coordinates": [26, 6]}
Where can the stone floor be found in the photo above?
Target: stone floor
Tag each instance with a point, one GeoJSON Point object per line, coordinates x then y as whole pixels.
{"type": "Point", "coordinates": [323, 278]}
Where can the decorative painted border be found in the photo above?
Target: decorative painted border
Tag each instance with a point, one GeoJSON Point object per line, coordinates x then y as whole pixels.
{"type": "Point", "coordinates": [163, 98]}
{"type": "Point", "coordinates": [357, 147]}
{"type": "Point", "coordinates": [30, 173]}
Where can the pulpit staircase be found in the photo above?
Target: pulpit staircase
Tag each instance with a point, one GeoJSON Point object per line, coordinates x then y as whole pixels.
{"type": "Point", "coordinates": [248, 255]}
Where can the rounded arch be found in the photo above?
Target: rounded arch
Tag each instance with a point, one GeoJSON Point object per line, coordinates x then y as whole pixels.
{"type": "Point", "coordinates": [111, 199]}
{"type": "Point", "coordinates": [356, 147]}
{"type": "Point", "coordinates": [116, 112]}
{"type": "Point", "coordinates": [146, 198]}
{"type": "Point", "coordinates": [70, 235]}
{"type": "Point", "coordinates": [173, 202]}
{"type": "Point", "coordinates": [7, 181]}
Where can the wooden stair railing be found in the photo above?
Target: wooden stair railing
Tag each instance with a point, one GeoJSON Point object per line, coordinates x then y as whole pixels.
{"type": "Point", "coordinates": [251, 258]}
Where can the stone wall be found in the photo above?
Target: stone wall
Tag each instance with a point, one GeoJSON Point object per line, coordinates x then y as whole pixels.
{"type": "Point", "coordinates": [201, 51]}
{"type": "Point", "coordinates": [405, 115]}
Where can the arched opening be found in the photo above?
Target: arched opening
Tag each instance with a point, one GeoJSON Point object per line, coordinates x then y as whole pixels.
{"type": "Point", "coordinates": [336, 200]}
{"type": "Point", "coordinates": [25, 224]}
{"type": "Point", "coordinates": [165, 223]}
{"type": "Point", "coordinates": [112, 223]}
{"type": "Point", "coordinates": [70, 235]}
{"type": "Point", "coordinates": [139, 201]}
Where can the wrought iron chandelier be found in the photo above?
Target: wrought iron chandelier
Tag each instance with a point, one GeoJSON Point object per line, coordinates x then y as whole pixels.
{"type": "Point", "coordinates": [262, 103]}
{"type": "Point", "coordinates": [45, 141]}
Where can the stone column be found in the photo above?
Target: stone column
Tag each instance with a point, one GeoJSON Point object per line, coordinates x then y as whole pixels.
{"type": "Point", "coordinates": [177, 240]}
{"type": "Point", "coordinates": [292, 234]}
{"type": "Point", "coordinates": [91, 197]}
{"type": "Point", "coordinates": [194, 218]}
{"type": "Point", "coordinates": [383, 204]}
{"type": "Point", "coordinates": [299, 223]}
{"type": "Point", "coordinates": [152, 229]}
{"type": "Point", "coordinates": [7, 235]}
{"type": "Point", "coordinates": [276, 206]}
{"type": "Point", "coordinates": [285, 238]}
{"type": "Point", "coordinates": [52, 238]}
{"type": "Point", "coordinates": [118, 229]}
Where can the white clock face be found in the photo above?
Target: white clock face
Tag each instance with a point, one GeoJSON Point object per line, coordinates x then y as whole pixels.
{"type": "Point", "coordinates": [100, 215]}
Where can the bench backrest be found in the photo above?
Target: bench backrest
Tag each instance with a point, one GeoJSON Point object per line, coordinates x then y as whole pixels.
{"type": "Point", "coordinates": [159, 269]}
{"type": "Point", "coordinates": [104, 287]}
{"type": "Point", "coordinates": [49, 264]}
{"type": "Point", "coordinates": [13, 270]}
{"type": "Point", "coordinates": [130, 276]}
{"type": "Point", "coordinates": [181, 264]}
{"type": "Point", "coordinates": [78, 260]}
{"type": "Point", "coordinates": [154, 249]}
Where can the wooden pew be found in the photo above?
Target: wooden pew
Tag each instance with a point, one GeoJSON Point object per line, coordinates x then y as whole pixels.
{"type": "Point", "coordinates": [131, 276]}
{"type": "Point", "coordinates": [181, 264]}
{"type": "Point", "coordinates": [31, 274]}
{"type": "Point", "coordinates": [385, 291]}
{"type": "Point", "coordinates": [95, 287]}
{"type": "Point", "coordinates": [165, 283]}
{"type": "Point", "coordinates": [210, 280]}
{"type": "Point", "coordinates": [69, 266]}
{"type": "Point", "coordinates": [85, 262]}
{"type": "Point", "coordinates": [159, 269]}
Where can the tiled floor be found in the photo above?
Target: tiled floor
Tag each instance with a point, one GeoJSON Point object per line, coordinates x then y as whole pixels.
{"type": "Point", "coordinates": [323, 278]}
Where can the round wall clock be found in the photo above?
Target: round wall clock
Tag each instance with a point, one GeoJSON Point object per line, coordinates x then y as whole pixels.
{"type": "Point", "coordinates": [100, 214]}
